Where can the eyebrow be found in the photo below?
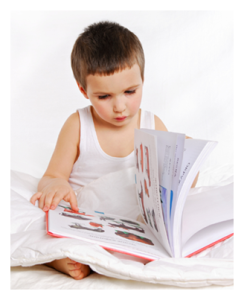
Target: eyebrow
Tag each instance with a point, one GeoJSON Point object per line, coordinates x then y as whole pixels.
{"type": "Point", "coordinates": [131, 87]}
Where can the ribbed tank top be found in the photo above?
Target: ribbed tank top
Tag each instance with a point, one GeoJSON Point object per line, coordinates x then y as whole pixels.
{"type": "Point", "coordinates": [93, 162]}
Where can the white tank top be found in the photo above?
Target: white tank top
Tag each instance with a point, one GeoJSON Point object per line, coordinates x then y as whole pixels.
{"type": "Point", "coordinates": [93, 162]}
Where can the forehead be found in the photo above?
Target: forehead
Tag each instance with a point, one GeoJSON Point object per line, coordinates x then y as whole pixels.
{"type": "Point", "coordinates": [115, 82]}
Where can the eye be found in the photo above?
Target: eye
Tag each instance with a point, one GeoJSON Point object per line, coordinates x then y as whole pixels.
{"type": "Point", "coordinates": [102, 97]}
{"type": "Point", "coordinates": [130, 92]}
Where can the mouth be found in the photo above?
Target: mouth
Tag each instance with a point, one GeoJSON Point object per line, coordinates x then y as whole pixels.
{"type": "Point", "coordinates": [120, 118]}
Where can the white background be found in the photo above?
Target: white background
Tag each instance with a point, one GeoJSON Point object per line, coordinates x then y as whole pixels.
{"type": "Point", "coordinates": [235, 6]}
{"type": "Point", "coordinates": [188, 77]}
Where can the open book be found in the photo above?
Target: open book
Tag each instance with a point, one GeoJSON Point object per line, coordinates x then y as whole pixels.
{"type": "Point", "coordinates": [166, 165]}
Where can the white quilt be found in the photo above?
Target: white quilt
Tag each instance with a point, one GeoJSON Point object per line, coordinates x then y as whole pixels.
{"type": "Point", "coordinates": [113, 193]}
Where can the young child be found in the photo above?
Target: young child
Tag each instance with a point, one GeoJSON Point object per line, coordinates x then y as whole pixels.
{"type": "Point", "coordinates": [108, 65]}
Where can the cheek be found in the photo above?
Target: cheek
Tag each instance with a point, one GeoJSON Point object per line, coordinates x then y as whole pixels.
{"type": "Point", "coordinates": [102, 110]}
{"type": "Point", "coordinates": [135, 104]}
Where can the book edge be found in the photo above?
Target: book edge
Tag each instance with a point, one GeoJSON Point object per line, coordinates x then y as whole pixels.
{"type": "Point", "coordinates": [210, 245]}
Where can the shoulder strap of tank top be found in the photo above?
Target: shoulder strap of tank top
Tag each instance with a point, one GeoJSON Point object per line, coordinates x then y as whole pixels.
{"type": "Point", "coordinates": [85, 127]}
{"type": "Point", "coordinates": [147, 120]}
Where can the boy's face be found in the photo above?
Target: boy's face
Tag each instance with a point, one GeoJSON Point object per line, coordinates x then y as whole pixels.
{"type": "Point", "coordinates": [115, 98]}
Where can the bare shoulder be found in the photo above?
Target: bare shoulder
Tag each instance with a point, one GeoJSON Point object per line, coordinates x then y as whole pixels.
{"type": "Point", "coordinates": [70, 132]}
{"type": "Point", "coordinates": [71, 129]}
{"type": "Point", "coordinates": [159, 125]}
{"type": "Point", "coordinates": [72, 123]}
{"type": "Point", "coordinates": [66, 150]}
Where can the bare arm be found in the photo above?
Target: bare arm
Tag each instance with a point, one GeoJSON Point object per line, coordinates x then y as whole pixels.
{"type": "Point", "coordinates": [54, 186]}
{"type": "Point", "coordinates": [159, 125]}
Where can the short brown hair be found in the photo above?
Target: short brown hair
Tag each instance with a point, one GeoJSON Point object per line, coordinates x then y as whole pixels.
{"type": "Point", "coordinates": [104, 48]}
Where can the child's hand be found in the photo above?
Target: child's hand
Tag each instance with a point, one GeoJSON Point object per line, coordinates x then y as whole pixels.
{"type": "Point", "coordinates": [56, 190]}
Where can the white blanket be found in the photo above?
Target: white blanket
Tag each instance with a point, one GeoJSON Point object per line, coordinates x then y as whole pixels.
{"type": "Point", "coordinates": [30, 245]}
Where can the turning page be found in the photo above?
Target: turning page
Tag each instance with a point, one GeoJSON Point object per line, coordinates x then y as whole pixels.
{"type": "Point", "coordinates": [169, 147]}
{"type": "Point", "coordinates": [155, 155]}
{"type": "Point", "coordinates": [195, 153]}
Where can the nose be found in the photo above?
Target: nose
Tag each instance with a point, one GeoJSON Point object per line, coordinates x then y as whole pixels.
{"type": "Point", "coordinates": [119, 104]}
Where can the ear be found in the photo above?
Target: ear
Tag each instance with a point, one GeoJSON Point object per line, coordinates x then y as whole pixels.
{"type": "Point", "coordinates": [82, 90]}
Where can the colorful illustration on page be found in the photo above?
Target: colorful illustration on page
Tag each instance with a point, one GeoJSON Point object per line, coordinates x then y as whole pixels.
{"type": "Point", "coordinates": [96, 224]}
{"type": "Point", "coordinates": [141, 157]}
{"type": "Point", "coordinates": [154, 220]}
{"type": "Point", "coordinates": [79, 226]}
{"type": "Point", "coordinates": [147, 165]}
{"type": "Point", "coordinates": [149, 217]}
{"type": "Point", "coordinates": [74, 216]}
{"type": "Point", "coordinates": [137, 159]}
{"type": "Point", "coordinates": [130, 222]}
{"type": "Point", "coordinates": [134, 237]}
{"type": "Point", "coordinates": [68, 209]}
{"type": "Point", "coordinates": [126, 227]}
{"type": "Point", "coordinates": [141, 198]}
{"type": "Point", "coordinates": [163, 200]}
{"type": "Point", "coordinates": [104, 218]}
{"type": "Point", "coordinates": [146, 188]}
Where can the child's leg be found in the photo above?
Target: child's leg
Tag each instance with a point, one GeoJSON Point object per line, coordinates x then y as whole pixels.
{"type": "Point", "coordinates": [70, 267]}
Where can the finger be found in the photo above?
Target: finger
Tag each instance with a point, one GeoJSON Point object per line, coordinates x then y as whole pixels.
{"type": "Point", "coordinates": [48, 201]}
{"type": "Point", "coordinates": [41, 201]}
{"type": "Point", "coordinates": [56, 199]}
{"type": "Point", "coordinates": [73, 201]}
{"type": "Point", "coordinates": [35, 197]}
{"type": "Point", "coordinates": [75, 267]}
{"type": "Point", "coordinates": [71, 198]}
{"type": "Point", "coordinates": [71, 261]}
{"type": "Point", "coordinates": [77, 274]}
{"type": "Point", "coordinates": [83, 272]}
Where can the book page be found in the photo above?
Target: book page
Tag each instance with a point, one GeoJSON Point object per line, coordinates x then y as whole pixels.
{"type": "Point", "coordinates": [207, 208]}
{"type": "Point", "coordinates": [208, 237]}
{"type": "Point", "coordinates": [109, 231]}
{"type": "Point", "coordinates": [176, 175]}
{"type": "Point", "coordinates": [192, 150]}
{"type": "Point", "coordinates": [155, 196]}
{"type": "Point", "coordinates": [195, 153]}
{"type": "Point", "coordinates": [170, 147]}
